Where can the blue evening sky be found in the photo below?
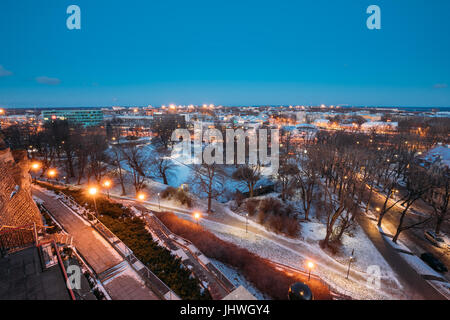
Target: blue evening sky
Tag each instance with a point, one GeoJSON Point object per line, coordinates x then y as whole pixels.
{"type": "Point", "coordinates": [230, 52]}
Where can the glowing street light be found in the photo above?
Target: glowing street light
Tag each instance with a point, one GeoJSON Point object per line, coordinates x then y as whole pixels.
{"type": "Point", "coordinates": [35, 166]}
{"type": "Point", "coordinates": [197, 216]}
{"type": "Point", "coordinates": [310, 266]}
{"type": "Point", "coordinates": [141, 196]}
{"type": "Point", "coordinates": [107, 184]}
{"type": "Point", "coordinates": [93, 192]}
{"type": "Point", "coordinates": [52, 173]}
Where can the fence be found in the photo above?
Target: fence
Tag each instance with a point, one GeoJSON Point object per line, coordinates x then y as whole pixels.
{"type": "Point", "coordinates": [147, 275]}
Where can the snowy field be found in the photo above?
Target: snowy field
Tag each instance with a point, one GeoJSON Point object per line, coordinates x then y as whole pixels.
{"type": "Point", "coordinates": [327, 268]}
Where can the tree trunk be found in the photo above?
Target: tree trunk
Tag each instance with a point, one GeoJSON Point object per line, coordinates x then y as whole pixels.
{"type": "Point", "coordinates": [439, 221]}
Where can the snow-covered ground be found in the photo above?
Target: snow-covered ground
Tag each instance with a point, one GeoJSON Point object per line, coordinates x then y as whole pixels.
{"type": "Point", "coordinates": [237, 279]}
{"type": "Point", "coordinates": [327, 268]}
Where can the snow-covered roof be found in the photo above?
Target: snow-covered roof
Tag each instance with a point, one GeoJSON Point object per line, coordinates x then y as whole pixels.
{"type": "Point", "coordinates": [374, 124]}
{"type": "Point", "coordinates": [440, 154]}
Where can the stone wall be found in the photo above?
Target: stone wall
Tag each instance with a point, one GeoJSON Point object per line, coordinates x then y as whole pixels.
{"type": "Point", "coordinates": [17, 207]}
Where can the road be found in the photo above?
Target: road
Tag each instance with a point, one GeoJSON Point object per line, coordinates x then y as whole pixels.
{"type": "Point", "coordinates": [118, 278]}
{"type": "Point", "coordinates": [412, 238]}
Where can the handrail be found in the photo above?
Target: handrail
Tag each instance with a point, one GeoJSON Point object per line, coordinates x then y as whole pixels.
{"type": "Point", "coordinates": [61, 264]}
{"type": "Point", "coordinates": [118, 245]}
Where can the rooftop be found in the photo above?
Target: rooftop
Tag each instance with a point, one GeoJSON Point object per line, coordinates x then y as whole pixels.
{"type": "Point", "coordinates": [22, 278]}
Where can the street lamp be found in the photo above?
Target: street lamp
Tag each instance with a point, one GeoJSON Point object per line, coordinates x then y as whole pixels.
{"type": "Point", "coordinates": [349, 263]}
{"type": "Point", "coordinates": [159, 203]}
{"type": "Point", "coordinates": [107, 185]}
{"type": "Point", "coordinates": [310, 266]}
{"type": "Point", "coordinates": [141, 197]}
{"type": "Point", "coordinates": [52, 173]}
{"type": "Point", "coordinates": [35, 166]}
{"type": "Point", "coordinates": [93, 192]}
{"type": "Point", "coordinates": [246, 223]}
{"type": "Point", "coordinates": [197, 216]}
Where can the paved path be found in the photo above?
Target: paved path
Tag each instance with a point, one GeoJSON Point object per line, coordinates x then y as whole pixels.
{"type": "Point", "coordinates": [329, 268]}
{"type": "Point", "coordinates": [410, 279]}
{"type": "Point", "coordinates": [121, 283]}
{"type": "Point", "coordinates": [216, 287]}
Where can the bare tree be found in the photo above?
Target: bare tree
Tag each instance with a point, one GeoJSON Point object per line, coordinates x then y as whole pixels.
{"type": "Point", "coordinates": [248, 176]}
{"type": "Point", "coordinates": [209, 180]}
{"type": "Point", "coordinates": [286, 177]}
{"type": "Point", "coordinates": [439, 196]}
{"type": "Point", "coordinates": [117, 154]}
{"type": "Point", "coordinates": [161, 166]}
{"type": "Point", "coordinates": [418, 183]}
{"type": "Point", "coordinates": [138, 162]}
{"type": "Point", "coordinates": [98, 159]}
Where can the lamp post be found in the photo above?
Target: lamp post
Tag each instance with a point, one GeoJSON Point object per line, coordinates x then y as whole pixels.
{"type": "Point", "coordinates": [141, 197]}
{"type": "Point", "coordinates": [197, 216]}
{"type": "Point", "coordinates": [107, 185]}
{"type": "Point", "coordinates": [52, 173]}
{"type": "Point", "coordinates": [93, 192]}
{"type": "Point", "coordinates": [310, 266]}
{"type": "Point", "coordinates": [246, 223]}
{"type": "Point", "coordinates": [349, 263]}
{"type": "Point", "coordinates": [159, 203]}
{"type": "Point", "coordinates": [35, 166]}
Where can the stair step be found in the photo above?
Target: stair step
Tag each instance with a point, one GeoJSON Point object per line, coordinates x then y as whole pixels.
{"type": "Point", "coordinates": [113, 271]}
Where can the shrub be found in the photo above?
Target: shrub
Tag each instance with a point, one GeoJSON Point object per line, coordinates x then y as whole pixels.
{"type": "Point", "coordinates": [133, 233]}
{"type": "Point", "coordinates": [251, 206]}
{"type": "Point", "coordinates": [271, 206]}
{"type": "Point", "coordinates": [178, 194]}
{"type": "Point", "coordinates": [264, 276]}
{"type": "Point", "coordinates": [238, 197]}
{"type": "Point", "coordinates": [278, 217]}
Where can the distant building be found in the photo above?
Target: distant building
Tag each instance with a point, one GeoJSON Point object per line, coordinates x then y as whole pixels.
{"type": "Point", "coordinates": [82, 117]}
{"type": "Point", "coordinates": [178, 120]}
{"type": "Point", "coordinates": [379, 126]}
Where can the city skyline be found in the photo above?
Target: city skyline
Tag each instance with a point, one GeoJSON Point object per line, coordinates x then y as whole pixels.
{"type": "Point", "coordinates": [252, 53]}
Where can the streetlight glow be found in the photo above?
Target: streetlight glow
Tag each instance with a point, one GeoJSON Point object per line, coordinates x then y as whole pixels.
{"type": "Point", "coordinates": [35, 165]}
{"type": "Point", "coordinates": [93, 191]}
{"type": "Point", "coordinates": [51, 173]}
{"type": "Point", "coordinates": [141, 196]}
{"type": "Point", "coordinates": [197, 216]}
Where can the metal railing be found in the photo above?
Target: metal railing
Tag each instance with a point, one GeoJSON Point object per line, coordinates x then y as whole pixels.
{"type": "Point", "coordinates": [148, 276]}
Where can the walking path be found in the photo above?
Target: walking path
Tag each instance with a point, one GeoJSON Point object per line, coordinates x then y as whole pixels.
{"type": "Point", "coordinates": [411, 280]}
{"type": "Point", "coordinates": [217, 284]}
{"type": "Point", "coordinates": [117, 276]}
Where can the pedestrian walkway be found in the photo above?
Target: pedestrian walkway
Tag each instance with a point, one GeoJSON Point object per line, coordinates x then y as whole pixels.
{"type": "Point", "coordinates": [98, 253]}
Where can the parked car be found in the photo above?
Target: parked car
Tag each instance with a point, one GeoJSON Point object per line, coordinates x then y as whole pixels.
{"type": "Point", "coordinates": [433, 262]}
{"type": "Point", "coordinates": [435, 239]}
